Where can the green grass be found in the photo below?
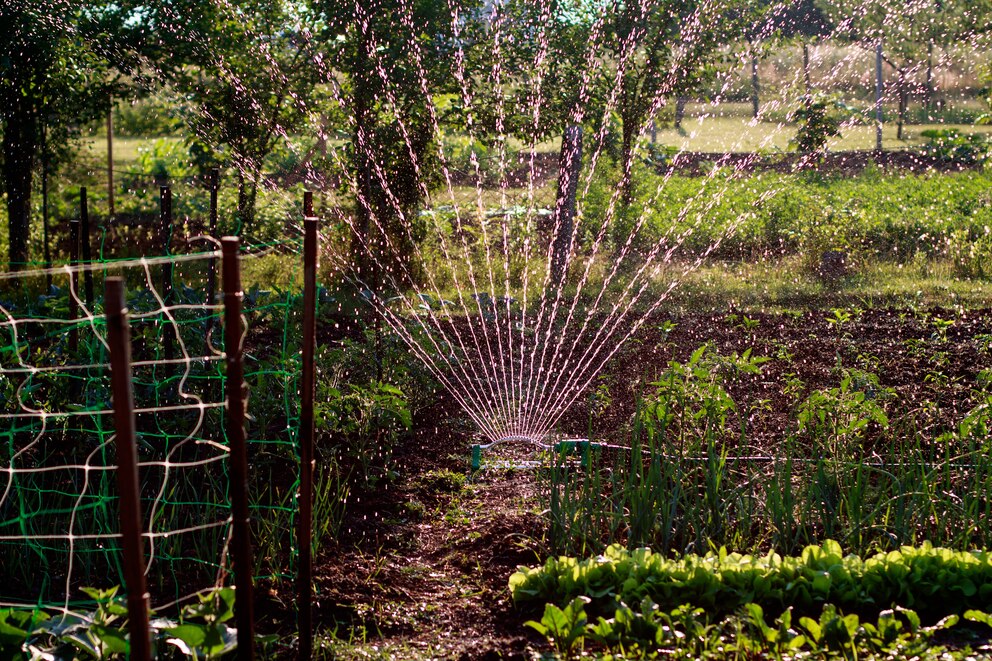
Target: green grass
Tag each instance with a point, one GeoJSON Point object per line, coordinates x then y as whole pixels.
{"type": "Point", "coordinates": [709, 130]}
{"type": "Point", "coordinates": [126, 150]}
{"type": "Point", "coordinates": [725, 127]}
{"type": "Point", "coordinates": [775, 285]}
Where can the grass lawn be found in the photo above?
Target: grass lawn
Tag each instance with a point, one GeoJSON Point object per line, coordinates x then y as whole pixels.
{"type": "Point", "coordinates": [706, 128]}
{"type": "Point", "coordinates": [715, 133]}
{"type": "Point", "coordinates": [126, 150]}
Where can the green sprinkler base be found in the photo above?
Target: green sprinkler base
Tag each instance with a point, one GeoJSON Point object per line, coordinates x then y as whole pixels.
{"type": "Point", "coordinates": [565, 447]}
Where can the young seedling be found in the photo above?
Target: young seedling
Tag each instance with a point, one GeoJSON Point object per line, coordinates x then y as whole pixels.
{"type": "Point", "coordinates": [941, 326]}
{"type": "Point", "coordinates": [564, 628]}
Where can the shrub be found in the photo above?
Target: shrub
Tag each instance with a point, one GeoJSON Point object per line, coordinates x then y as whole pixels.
{"type": "Point", "coordinates": [818, 121]}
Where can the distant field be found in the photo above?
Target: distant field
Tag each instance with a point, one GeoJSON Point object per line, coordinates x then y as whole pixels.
{"type": "Point", "coordinates": [703, 130]}
{"type": "Point", "coordinates": [735, 134]}
{"type": "Point", "coordinates": [125, 149]}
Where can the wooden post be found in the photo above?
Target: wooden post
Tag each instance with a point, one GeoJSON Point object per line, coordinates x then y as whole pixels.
{"type": "Point", "coordinates": [304, 537]}
{"type": "Point", "coordinates": [44, 202]}
{"type": "Point", "coordinates": [84, 238]}
{"type": "Point", "coordinates": [903, 95]}
{"type": "Point", "coordinates": [73, 286]}
{"type": "Point", "coordinates": [569, 165]}
{"type": "Point", "coordinates": [236, 402]}
{"type": "Point", "coordinates": [212, 264]}
{"type": "Point", "coordinates": [307, 205]}
{"type": "Point", "coordinates": [879, 86]}
{"type": "Point", "coordinates": [110, 159]}
{"type": "Point", "coordinates": [118, 338]}
{"type": "Point", "coordinates": [165, 207]}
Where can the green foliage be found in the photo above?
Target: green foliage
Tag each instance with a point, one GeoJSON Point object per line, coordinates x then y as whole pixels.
{"type": "Point", "coordinates": [392, 151]}
{"type": "Point", "coordinates": [647, 631]}
{"type": "Point", "coordinates": [164, 160]}
{"type": "Point", "coordinates": [15, 627]}
{"type": "Point", "coordinates": [671, 488]}
{"type": "Point", "coordinates": [563, 627]}
{"type": "Point", "coordinates": [689, 400]}
{"type": "Point", "coordinates": [200, 634]}
{"type": "Point", "coordinates": [953, 145]}
{"type": "Point", "coordinates": [976, 426]}
{"type": "Point", "coordinates": [644, 630]}
{"type": "Point", "coordinates": [817, 121]}
{"type": "Point", "coordinates": [366, 420]}
{"type": "Point", "coordinates": [469, 157]}
{"type": "Point", "coordinates": [935, 581]}
{"type": "Point", "coordinates": [893, 217]}
{"type": "Point", "coordinates": [99, 635]}
{"type": "Point", "coordinates": [836, 419]}
{"type": "Point", "coordinates": [685, 480]}
{"type": "Point", "coordinates": [155, 116]}
{"type": "Point", "coordinates": [245, 84]}
{"type": "Point", "coordinates": [52, 79]}
{"type": "Point", "coordinates": [970, 253]}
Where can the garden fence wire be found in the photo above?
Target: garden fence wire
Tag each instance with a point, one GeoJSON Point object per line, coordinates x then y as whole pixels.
{"type": "Point", "coordinates": [59, 529]}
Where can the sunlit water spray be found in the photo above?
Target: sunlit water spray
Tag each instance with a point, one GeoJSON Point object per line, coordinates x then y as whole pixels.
{"type": "Point", "coordinates": [471, 286]}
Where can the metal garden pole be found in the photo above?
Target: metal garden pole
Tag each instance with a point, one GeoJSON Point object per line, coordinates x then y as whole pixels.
{"type": "Point", "coordinates": [304, 536]}
{"type": "Point", "coordinates": [84, 237]}
{"type": "Point", "coordinates": [237, 397]}
{"type": "Point", "coordinates": [118, 337]}
{"type": "Point", "coordinates": [165, 209]}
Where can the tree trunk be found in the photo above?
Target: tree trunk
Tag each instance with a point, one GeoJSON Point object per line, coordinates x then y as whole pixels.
{"type": "Point", "coordinates": [247, 193]}
{"type": "Point", "coordinates": [364, 252]}
{"type": "Point", "coordinates": [806, 76]}
{"type": "Point", "coordinates": [19, 147]}
{"type": "Point", "coordinates": [879, 88]}
{"type": "Point", "coordinates": [569, 165]}
{"type": "Point", "coordinates": [361, 249]}
{"type": "Point", "coordinates": [903, 101]}
{"type": "Point", "coordinates": [628, 129]}
{"type": "Point", "coordinates": [755, 87]}
{"type": "Point", "coordinates": [928, 101]}
{"type": "Point", "coordinates": [679, 111]}
{"type": "Point", "coordinates": [322, 136]}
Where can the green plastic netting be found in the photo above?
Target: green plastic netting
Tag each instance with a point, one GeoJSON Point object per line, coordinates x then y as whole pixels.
{"type": "Point", "coordinates": [58, 501]}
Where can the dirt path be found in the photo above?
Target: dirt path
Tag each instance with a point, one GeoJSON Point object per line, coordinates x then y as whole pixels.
{"type": "Point", "coordinates": [427, 576]}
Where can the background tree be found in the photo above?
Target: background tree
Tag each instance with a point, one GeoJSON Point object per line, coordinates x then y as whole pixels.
{"type": "Point", "coordinates": [908, 30]}
{"type": "Point", "coordinates": [51, 79]}
{"type": "Point", "coordinates": [803, 23]}
{"type": "Point", "coordinates": [551, 75]}
{"type": "Point", "coordinates": [392, 60]}
{"type": "Point", "coordinates": [662, 48]}
{"type": "Point", "coordinates": [248, 74]}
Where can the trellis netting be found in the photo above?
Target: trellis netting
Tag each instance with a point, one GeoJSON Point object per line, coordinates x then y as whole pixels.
{"type": "Point", "coordinates": [59, 528]}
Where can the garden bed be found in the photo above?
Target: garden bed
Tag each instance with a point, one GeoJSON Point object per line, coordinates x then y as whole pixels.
{"type": "Point", "coordinates": [423, 564]}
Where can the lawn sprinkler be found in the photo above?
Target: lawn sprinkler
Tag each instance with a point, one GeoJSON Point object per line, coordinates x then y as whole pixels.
{"type": "Point", "coordinates": [567, 446]}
